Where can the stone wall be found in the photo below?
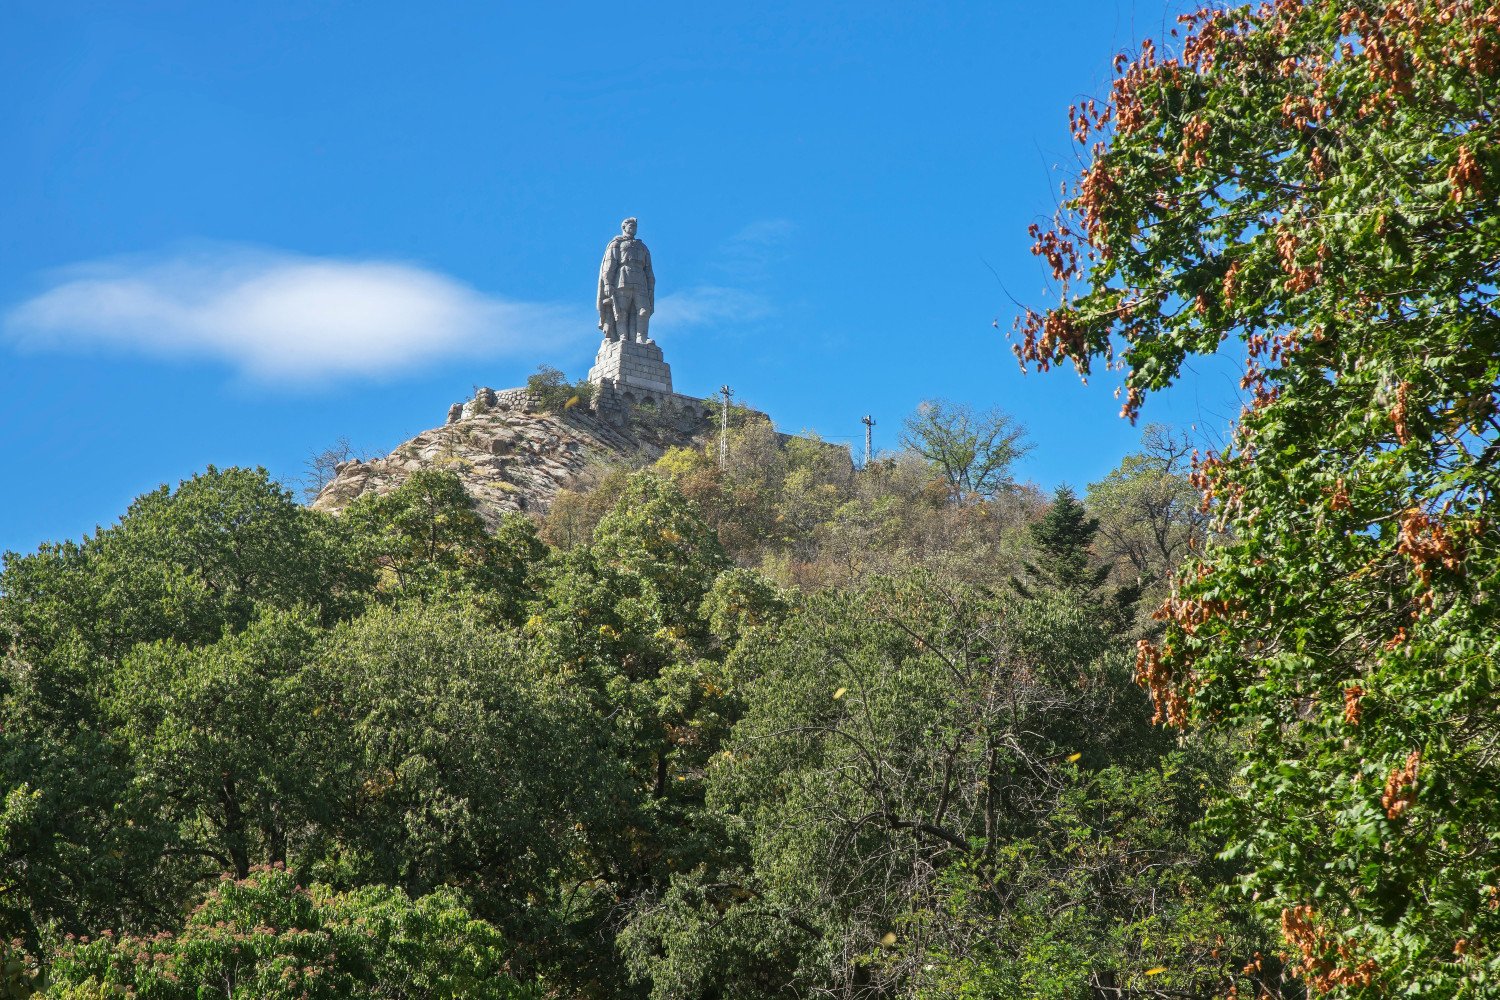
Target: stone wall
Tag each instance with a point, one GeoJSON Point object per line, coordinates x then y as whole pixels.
{"type": "Point", "coordinates": [622, 405]}
{"type": "Point", "coordinates": [487, 399]}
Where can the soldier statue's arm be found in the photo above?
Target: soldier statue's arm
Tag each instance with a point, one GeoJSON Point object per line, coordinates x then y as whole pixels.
{"type": "Point", "coordinates": [606, 276]}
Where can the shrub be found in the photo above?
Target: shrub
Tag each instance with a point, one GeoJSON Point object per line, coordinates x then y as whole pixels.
{"type": "Point", "coordinates": [554, 394]}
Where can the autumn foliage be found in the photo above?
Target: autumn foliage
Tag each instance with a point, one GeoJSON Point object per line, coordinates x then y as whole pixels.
{"type": "Point", "coordinates": [1317, 183]}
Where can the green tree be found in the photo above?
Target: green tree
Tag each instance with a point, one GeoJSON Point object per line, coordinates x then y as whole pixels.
{"type": "Point", "coordinates": [189, 563]}
{"type": "Point", "coordinates": [1063, 540]}
{"type": "Point", "coordinates": [573, 515]}
{"type": "Point", "coordinates": [638, 623]}
{"type": "Point", "coordinates": [267, 938]}
{"type": "Point", "coordinates": [917, 761]}
{"type": "Point", "coordinates": [85, 845]}
{"type": "Point", "coordinates": [1319, 180]}
{"type": "Point", "coordinates": [425, 539]}
{"type": "Point", "coordinates": [466, 768]}
{"type": "Point", "coordinates": [184, 564]}
{"type": "Point", "coordinates": [740, 602]}
{"type": "Point", "coordinates": [229, 744]}
{"type": "Point", "coordinates": [659, 540]}
{"type": "Point", "coordinates": [1149, 516]}
{"type": "Point", "coordinates": [634, 612]}
{"type": "Point", "coordinates": [973, 452]}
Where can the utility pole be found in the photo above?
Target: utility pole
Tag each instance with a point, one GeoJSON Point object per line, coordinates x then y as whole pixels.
{"type": "Point", "coordinates": [724, 427]}
{"type": "Point", "coordinates": [869, 422]}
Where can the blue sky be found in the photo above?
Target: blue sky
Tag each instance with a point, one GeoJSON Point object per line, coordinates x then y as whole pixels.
{"type": "Point", "coordinates": [232, 233]}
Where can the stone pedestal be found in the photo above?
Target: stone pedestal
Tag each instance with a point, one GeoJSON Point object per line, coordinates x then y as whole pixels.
{"type": "Point", "coordinates": [632, 379]}
{"type": "Point", "coordinates": [625, 365]}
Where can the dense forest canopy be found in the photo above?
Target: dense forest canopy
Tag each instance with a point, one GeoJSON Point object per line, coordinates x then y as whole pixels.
{"type": "Point", "coordinates": [776, 728]}
{"type": "Point", "coordinates": [1216, 725]}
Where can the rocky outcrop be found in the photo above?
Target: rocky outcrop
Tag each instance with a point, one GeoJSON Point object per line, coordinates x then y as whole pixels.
{"type": "Point", "coordinates": [513, 456]}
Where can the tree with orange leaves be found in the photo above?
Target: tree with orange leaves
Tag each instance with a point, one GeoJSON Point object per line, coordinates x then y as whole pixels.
{"type": "Point", "coordinates": [1319, 180]}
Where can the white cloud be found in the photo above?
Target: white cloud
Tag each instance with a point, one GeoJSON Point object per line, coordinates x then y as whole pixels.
{"type": "Point", "coordinates": [756, 249]}
{"type": "Point", "coordinates": [706, 305]}
{"type": "Point", "coordinates": [283, 316]}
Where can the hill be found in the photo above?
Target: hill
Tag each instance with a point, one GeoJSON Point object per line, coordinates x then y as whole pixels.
{"type": "Point", "coordinates": [514, 453]}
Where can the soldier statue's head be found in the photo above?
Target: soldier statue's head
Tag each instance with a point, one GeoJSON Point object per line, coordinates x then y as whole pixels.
{"type": "Point", "coordinates": [628, 227]}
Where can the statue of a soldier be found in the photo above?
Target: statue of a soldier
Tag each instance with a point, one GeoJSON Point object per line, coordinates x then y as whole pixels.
{"type": "Point", "coordinates": [627, 287]}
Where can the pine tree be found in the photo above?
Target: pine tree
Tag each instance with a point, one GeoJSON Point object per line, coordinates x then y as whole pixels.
{"type": "Point", "coordinates": [1064, 539]}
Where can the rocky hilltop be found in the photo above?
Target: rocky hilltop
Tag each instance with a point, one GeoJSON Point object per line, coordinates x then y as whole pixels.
{"type": "Point", "coordinates": [513, 455]}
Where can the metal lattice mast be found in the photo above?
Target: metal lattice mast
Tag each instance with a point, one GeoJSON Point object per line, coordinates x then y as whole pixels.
{"type": "Point", "coordinates": [724, 427]}
{"type": "Point", "coordinates": [869, 423]}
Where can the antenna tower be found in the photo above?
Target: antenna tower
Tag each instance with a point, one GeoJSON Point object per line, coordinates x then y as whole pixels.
{"type": "Point", "coordinates": [724, 427]}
